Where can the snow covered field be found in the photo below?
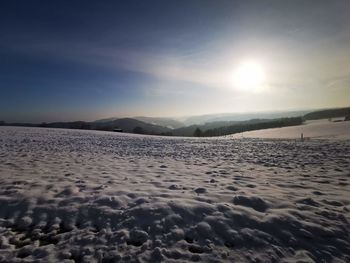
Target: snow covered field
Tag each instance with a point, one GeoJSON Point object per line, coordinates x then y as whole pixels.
{"type": "Point", "coordinates": [319, 129]}
{"type": "Point", "coordinates": [86, 196]}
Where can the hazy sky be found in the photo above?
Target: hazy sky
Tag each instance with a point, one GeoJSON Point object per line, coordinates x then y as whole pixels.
{"type": "Point", "coordinates": [70, 60]}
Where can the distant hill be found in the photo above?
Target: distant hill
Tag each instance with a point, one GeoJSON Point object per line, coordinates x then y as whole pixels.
{"type": "Point", "coordinates": [189, 130]}
{"type": "Point", "coordinates": [107, 119]}
{"type": "Point", "coordinates": [204, 125]}
{"type": "Point", "coordinates": [326, 114]}
{"type": "Point", "coordinates": [217, 126]}
{"type": "Point", "coordinates": [125, 124]}
{"type": "Point", "coordinates": [224, 117]}
{"type": "Point", "coordinates": [68, 125]}
{"type": "Point", "coordinates": [252, 125]}
{"type": "Point", "coordinates": [129, 125]}
{"type": "Point", "coordinates": [165, 122]}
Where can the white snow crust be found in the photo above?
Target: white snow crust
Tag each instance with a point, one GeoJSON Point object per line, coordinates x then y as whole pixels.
{"type": "Point", "coordinates": [88, 196]}
{"type": "Point", "coordinates": [315, 129]}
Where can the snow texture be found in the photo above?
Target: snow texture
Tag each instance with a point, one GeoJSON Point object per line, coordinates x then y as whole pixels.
{"type": "Point", "coordinates": [88, 196]}
{"type": "Point", "coordinates": [319, 129]}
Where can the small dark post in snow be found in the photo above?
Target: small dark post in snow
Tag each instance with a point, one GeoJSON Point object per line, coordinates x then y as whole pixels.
{"type": "Point", "coordinates": [302, 137]}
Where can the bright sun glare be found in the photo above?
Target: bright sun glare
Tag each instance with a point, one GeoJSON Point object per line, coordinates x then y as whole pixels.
{"type": "Point", "coordinates": [249, 76]}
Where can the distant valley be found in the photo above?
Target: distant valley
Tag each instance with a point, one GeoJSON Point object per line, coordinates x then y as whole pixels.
{"type": "Point", "coordinates": [204, 125]}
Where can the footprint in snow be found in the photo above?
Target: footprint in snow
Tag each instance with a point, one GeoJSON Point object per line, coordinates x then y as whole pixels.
{"type": "Point", "coordinates": [174, 187]}
{"type": "Point", "coordinates": [231, 188]}
{"type": "Point", "coordinates": [200, 190]}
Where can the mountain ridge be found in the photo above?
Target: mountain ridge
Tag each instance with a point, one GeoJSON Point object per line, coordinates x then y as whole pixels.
{"type": "Point", "coordinates": [172, 127]}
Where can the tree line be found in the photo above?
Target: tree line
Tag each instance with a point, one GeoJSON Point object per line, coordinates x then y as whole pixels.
{"type": "Point", "coordinates": [243, 127]}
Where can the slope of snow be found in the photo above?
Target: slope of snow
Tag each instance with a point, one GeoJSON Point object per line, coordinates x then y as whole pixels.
{"type": "Point", "coordinates": [321, 129]}
{"type": "Point", "coordinates": [86, 196]}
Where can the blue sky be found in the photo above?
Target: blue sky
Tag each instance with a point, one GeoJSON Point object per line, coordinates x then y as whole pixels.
{"type": "Point", "coordinates": [85, 60]}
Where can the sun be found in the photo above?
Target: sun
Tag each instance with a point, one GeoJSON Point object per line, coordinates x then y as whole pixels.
{"type": "Point", "coordinates": [249, 76]}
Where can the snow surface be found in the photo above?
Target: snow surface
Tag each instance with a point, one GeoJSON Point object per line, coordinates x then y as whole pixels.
{"type": "Point", "coordinates": [320, 129]}
{"type": "Point", "coordinates": [88, 196]}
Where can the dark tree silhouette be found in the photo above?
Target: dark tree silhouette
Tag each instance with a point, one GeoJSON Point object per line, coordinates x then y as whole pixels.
{"type": "Point", "coordinates": [237, 128]}
{"type": "Point", "coordinates": [327, 114]}
{"type": "Point", "coordinates": [138, 130]}
{"type": "Point", "coordinates": [198, 133]}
